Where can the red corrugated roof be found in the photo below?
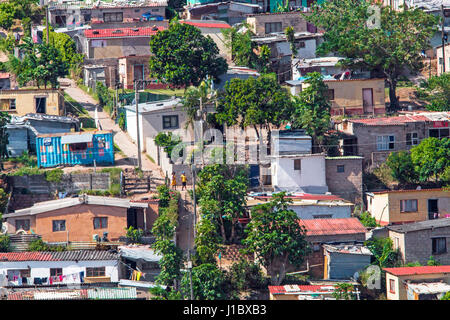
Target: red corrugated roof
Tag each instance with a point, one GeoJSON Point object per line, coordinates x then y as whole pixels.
{"type": "Point", "coordinates": [389, 121]}
{"type": "Point", "coordinates": [406, 271]}
{"type": "Point", "coordinates": [306, 196]}
{"type": "Point", "coordinates": [316, 227]}
{"type": "Point", "coordinates": [26, 256]}
{"type": "Point", "coordinates": [207, 25]}
{"type": "Point", "coordinates": [404, 190]}
{"type": "Point", "coordinates": [302, 288]}
{"type": "Point", "coordinates": [123, 32]}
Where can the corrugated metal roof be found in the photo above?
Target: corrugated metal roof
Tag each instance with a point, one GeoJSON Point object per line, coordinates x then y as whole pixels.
{"type": "Point", "coordinates": [142, 252]}
{"type": "Point", "coordinates": [315, 227]}
{"type": "Point", "coordinates": [407, 271]}
{"type": "Point", "coordinates": [121, 32]}
{"type": "Point", "coordinates": [404, 190]}
{"type": "Point", "coordinates": [390, 121]}
{"type": "Point", "coordinates": [292, 289]}
{"type": "Point", "coordinates": [70, 255]}
{"type": "Point", "coordinates": [429, 288]}
{"type": "Point", "coordinates": [207, 24]}
{"type": "Point", "coordinates": [112, 293]}
{"type": "Point", "coordinates": [421, 225]}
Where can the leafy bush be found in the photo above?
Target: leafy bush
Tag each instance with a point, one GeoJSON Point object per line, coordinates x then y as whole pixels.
{"type": "Point", "coordinates": [40, 245]}
{"type": "Point", "coordinates": [25, 159]}
{"type": "Point", "coordinates": [122, 122]}
{"type": "Point", "coordinates": [54, 175]}
{"type": "Point", "coordinates": [27, 171]}
{"type": "Point", "coordinates": [104, 98]}
{"type": "Point", "coordinates": [5, 243]}
{"type": "Point", "coordinates": [367, 220]}
{"type": "Point", "coordinates": [167, 141]}
{"type": "Point", "coordinates": [134, 235]}
{"type": "Point", "coordinates": [246, 275]}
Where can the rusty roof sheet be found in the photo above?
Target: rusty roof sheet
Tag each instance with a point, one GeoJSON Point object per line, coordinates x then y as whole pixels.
{"type": "Point", "coordinates": [70, 255]}
{"type": "Point", "coordinates": [408, 271]}
{"type": "Point", "coordinates": [316, 227]}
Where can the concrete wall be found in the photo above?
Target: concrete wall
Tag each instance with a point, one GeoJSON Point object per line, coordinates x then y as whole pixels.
{"type": "Point", "coordinates": [417, 246]}
{"type": "Point", "coordinates": [119, 47]}
{"type": "Point", "coordinates": [26, 101]}
{"type": "Point", "coordinates": [447, 59]}
{"type": "Point", "coordinates": [391, 201]}
{"type": "Point", "coordinates": [127, 70]}
{"type": "Point", "coordinates": [367, 138]}
{"type": "Point", "coordinates": [41, 269]}
{"type": "Point", "coordinates": [309, 211]}
{"type": "Point", "coordinates": [347, 184]}
{"type": "Point", "coordinates": [70, 183]}
{"type": "Point", "coordinates": [310, 177]}
{"type": "Point", "coordinates": [258, 22]}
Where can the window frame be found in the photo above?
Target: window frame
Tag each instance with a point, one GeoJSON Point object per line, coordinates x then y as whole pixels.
{"type": "Point", "coordinates": [392, 286]}
{"type": "Point", "coordinates": [102, 224]}
{"type": "Point", "coordinates": [54, 224]}
{"type": "Point", "coordinates": [297, 164]}
{"type": "Point", "coordinates": [56, 272]}
{"type": "Point", "coordinates": [403, 205]}
{"type": "Point", "coordinates": [385, 143]}
{"type": "Point", "coordinates": [170, 127]}
{"type": "Point", "coordinates": [411, 140]}
{"type": "Point", "coordinates": [112, 14]}
{"type": "Point", "coordinates": [339, 166]}
{"type": "Point", "coordinates": [95, 271]}
{"type": "Point", "coordinates": [439, 131]}
{"type": "Point", "coordinates": [22, 220]}
{"type": "Point", "coordinates": [434, 245]}
{"type": "Point", "coordinates": [271, 27]}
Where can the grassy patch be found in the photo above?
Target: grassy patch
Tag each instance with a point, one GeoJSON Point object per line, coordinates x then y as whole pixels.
{"type": "Point", "coordinates": [89, 91]}
{"type": "Point", "coordinates": [118, 150]}
{"type": "Point", "coordinates": [75, 108]}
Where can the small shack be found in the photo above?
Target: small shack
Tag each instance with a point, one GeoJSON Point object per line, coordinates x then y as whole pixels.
{"type": "Point", "coordinates": [72, 148]}
{"type": "Point", "coordinates": [343, 260]}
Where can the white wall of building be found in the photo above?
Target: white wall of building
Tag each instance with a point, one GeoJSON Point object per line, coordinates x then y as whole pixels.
{"type": "Point", "coordinates": [313, 211]}
{"type": "Point", "coordinates": [41, 269]}
{"type": "Point", "coordinates": [312, 173]}
{"type": "Point", "coordinates": [309, 51]}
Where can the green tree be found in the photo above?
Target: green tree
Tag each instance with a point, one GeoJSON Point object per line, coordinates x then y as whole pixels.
{"type": "Point", "coordinates": [244, 51]}
{"type": "Point", "coordinates": [221, 193]}
{"type": "Point", "coordinates": [312, 109]}
{"type": "Point", "coordinates": [431, 158]}
{"type": "Point", "coordinates": [391, 48]}
{"type": "Point", "coordinates": [207, 242]}
{"type": "Point", "coordinates": [182, 56]}
{"type": "Point", "coordinates": [367, 220]}
{"type": "Point", "coordinates": [446, 296]}
{"type": "Point", "coordinates": [436, 90]}
{"type": "Point", "coordinates": [290, 37]}
{"type": "Point", "coordinates": [5, 243]}
{"type": "Point", "coordinates": [42, 63]}
{"type": "Point", "coordinates": [383, 252]}
{"type": "Point", "coordinates": [196, 99]}
{"type": "Point", "coordinates": [276, 237]}
{"type": "Point", "coordinates": [207, 283]}
{"type": "Point", "coordinates": [256, 103]}
{"type": "Point", "coordinates": [170, 263]}
{"type": "Point", "coordinates": [401, 166]}
{"type": "Point", "coordinates": [8, 13]}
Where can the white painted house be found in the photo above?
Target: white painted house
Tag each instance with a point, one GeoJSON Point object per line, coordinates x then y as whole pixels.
{"type": "Point", "coordinates": [66, 267]}
{"type": "Point", "coordinates": [293, 166]}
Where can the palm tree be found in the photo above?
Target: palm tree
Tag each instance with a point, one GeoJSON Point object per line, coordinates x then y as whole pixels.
{"type": "Point", "coordinates": [194, 100]}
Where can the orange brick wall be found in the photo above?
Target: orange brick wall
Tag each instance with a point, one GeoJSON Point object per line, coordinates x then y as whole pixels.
{"type": "Point", "coordinates": [80, 223]}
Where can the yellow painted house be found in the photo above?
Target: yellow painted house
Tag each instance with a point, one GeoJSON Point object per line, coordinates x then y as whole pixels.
{"type": "Point", "coordinates": [404, 206]}
{"type": "Point", "coordinates": [22, 101]}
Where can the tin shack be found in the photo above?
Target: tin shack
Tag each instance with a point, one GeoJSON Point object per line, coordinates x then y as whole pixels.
{"type": "Point", "coordinates": [72, 148]}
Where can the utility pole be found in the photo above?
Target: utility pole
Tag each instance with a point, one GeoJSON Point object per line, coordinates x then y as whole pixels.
{"type": "Point", "coordinates": [136, 98]}
{"type": "Point", "coordinates": [443, 40]}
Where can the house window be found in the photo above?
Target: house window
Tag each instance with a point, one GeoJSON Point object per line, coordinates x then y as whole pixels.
{"type": "Point", "coordinates": [23, 224]}
{"type": "Point", "coordinates": [170, 122]}
{"type": "Point", "coordinates": [113, 17]}
{"type": "Point", "coordinates": [412, 139]}
{"type": "Point", "coordinates": [273, 27]}
{"type": "Point", "coordinates": [316, 247]}
{"type": "Point", "coordinates": [155, 10]}
{"type": "Point", "coordinates": [95, 272]}
{"type": "Point", "coordinates": [341, 168]}
{"type": "Point", "coordinates": [300, 44]}
{"type": "Point", "coordinates": [441, 61]}
{"type": "Point", "coordinates": [41, 104]}
{"type": "Point", "coordinates": [408, 205]}
{"type": "Point", "coordinates": [385, 143]}
{"type": "Point", "coordinates": [78, 147]}
{"type": "Point", "coordinates": [59, 225]}
{"type": "Point", "coordinates": [7, 104]}
{"type": "Point", "coordinates": [55, 272]}
{"type": "Point", "coordinates": [100, 223]}
{"type": "Point", "coordinates": [439, 245]}
{"type": "Point", "coordinates": [297, 164]}
{"type": "Point", "coordinates": [391, 285]}
{"type": "Point", "coordinates": [87, 18]}
{"type": "Point", "coordinates": [330, 94]}
{"type": "Point", "coordinates": [323, 216]}
{"type": "Point", "coordinates": [439, 133]}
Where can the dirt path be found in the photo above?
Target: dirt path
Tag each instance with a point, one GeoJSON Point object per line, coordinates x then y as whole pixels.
{"type": "Point", "coordinates": [121, 138]}
{"type": "Point", "coordinates": [185, 230]}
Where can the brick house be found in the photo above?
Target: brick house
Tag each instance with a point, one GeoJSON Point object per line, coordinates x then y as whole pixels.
{"type": "Point", "coordinates": [419, 240]}
{"type": "Point", "coordinates": [344, 177]}
{"type": "Point", "coordinates": [80, 218]}
{"type": "Point", "coordinates": [133, 68]}
{"type": "Point", "coordinates": [375, 138]}
{"type": "Point", "coordinates": [23, 101]}
{"type": "Point", "coordinates": [270, 22]}
{"type": "Point", "coordinates": [405, 206]}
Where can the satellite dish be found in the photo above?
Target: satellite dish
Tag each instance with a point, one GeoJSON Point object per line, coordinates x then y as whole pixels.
{"type": "Point", "coordinates": [4, 228]}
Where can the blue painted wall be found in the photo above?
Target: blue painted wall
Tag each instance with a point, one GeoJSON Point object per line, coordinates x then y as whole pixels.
{"type": "Point", "coordinates": [51, 153]}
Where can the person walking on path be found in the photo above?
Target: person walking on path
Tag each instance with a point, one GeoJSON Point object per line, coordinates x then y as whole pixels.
{"type": "Point", "coordinates": [183, 181]}
{"type": "Point", "coordinates": [174, 181]}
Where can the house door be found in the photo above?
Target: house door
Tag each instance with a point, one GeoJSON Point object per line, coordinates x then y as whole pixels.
{"type": "Point", "coordinates": [138, 72]}
{"type": "Point", "coordinates": [433, 209]}
{"type": "Point", "coordinates": [131, 218]}
{"type": "Point", "coordinates": [41, 104]}
{"type": "Point", "coordinates": [367, 100]}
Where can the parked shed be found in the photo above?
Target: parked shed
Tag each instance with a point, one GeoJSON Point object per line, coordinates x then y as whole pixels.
{"type": "Point", "coordinates": [342, 261]}
{"type": "Point", "coordinates": [74, 148]}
